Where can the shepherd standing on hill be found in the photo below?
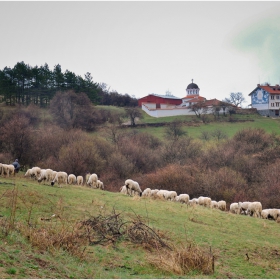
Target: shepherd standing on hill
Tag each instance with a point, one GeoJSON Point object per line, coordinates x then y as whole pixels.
{"type": "Point", "coordinates": [16, 165]}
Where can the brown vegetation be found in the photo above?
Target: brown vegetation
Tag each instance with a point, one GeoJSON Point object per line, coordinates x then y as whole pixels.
{"type": "Point", "coordinates": [241, 168]}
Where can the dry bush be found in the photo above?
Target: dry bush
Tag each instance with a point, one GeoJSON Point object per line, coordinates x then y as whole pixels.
{"type": "Point", "coordinates": [223, 184]}
{"type": "Point", "coordinates": [16, 137]}
{"type": "Point", "coordinates": [143, 159]}
{"type": "Point", "coordinates": [51, 237]}
{"type": "Point", "coordinates": [251, 140]}
{"type": "Point", "coordinates": [268, 192]}
{"type": "Point", "coordinates": [182, 151]}
{"type": "Point", "coordinates": [182, 179]}
{"type": "Point", "coordinates": [79, 157]}
{"type": "Point", "coordinates": [120, 166]}
{"type": "Point", "coordinates": [183, 259]}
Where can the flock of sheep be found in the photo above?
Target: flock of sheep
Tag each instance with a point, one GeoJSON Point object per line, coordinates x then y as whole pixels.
{"type": "Point", "coordinates": [253, 209]}
{"type": "Point", "coordinates": [132, 188]}
{"type": "Point", "coordinates": [49, 175]}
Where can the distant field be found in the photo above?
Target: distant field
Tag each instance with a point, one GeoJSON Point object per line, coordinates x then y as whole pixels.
{"type": "Point", "coordinates": [229, 128]}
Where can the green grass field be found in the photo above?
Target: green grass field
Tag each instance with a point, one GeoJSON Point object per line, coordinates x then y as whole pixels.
{"type": "Point", "coordinates": [196, 127]}
{"type": "Point", "coordinates": [27, 207]}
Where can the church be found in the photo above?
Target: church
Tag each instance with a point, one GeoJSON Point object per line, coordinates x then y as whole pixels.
{"type": "Point", "coordinates": [168, 105]}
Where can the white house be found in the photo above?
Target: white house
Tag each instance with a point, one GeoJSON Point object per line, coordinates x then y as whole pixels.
{"type": "Point", "coordinates": [266, 99]}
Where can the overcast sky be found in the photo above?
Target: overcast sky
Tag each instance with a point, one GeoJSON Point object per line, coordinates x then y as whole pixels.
{"type": "Point", "coordinates": [149, 47]}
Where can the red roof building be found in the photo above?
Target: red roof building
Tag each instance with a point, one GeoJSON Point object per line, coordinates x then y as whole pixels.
{"type": "Point", "coordinates": [159, 101]}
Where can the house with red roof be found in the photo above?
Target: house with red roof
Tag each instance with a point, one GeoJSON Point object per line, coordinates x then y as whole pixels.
{"type": "Point", "coordinates": [266, 99]}
{"type": "Point", "coordinates": [169, 105]}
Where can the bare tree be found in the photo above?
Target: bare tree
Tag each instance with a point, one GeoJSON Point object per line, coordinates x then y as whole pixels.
{"type": "Point", "coordinates": [133, 113]}
{"type": "Point", "coordinates": [174, 130]}
{"type": "Point", "coordinates": [199, 108]}
{"type": "Point", "coordinates": [235, 98]}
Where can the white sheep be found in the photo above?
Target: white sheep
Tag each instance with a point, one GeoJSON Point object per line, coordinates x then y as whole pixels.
{"type": "Point", "coordinates": [60, 178]}
{"type": "Point", "coordinates": [160, 194]}
{"type": "Point", "coordinates": [80, 180]}
{"type": "Point", "coordinates": [270, 213]}
{"type": "Point", "coordinates": [72, 179]}
{"type": "Point", "coordinates": [234, 208]}
{"type": "Point", "coordinates": [53, 175]}
{"type": "Point", "coordinates": [8, 169]}
{"type": "Point", "coordinates": [123, 189]}
{"type": "Point", "coordinates": [133, 187]}
{"type": "Point", "coordinates": [154, 193]}
{"type": "Point", "coordinates": [214, 204]}
{"type": "Point", "coordinates": [87, 177]}
{"type": "Point", "coordinates": [92, 181]}
{"type": "Point", "coordinates": [243, 207]}
{"type": "Point", "coordinates": [193, 202]}
{"type": "Point", "coordinates": [204, 201]}
{"type": "Point", "coordinates": [100, 185]}
{"type": "Point", "coordinates": [170, 195]}
{"type": "Point", "coordinates": [222, 205]}
{"type": "Point", "coordinates": [34, 172]}
{"type": "Point", "coordinates": [45, 175]}
{"type": "Point", "coordinates": [183, 198]}
{"type": "Point", "coordinates": [146, 192]}
{"type": "Point", "coordinates": [265, 213]}
{"type": "Point", "coordinates": [1, 168]}
{"type": "Point", "coordinates": [255, 209]}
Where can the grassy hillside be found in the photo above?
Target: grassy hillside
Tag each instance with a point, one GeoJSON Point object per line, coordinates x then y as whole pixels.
{"type": "Point", "coordinates": [34, 244]}
{"type": "Point", "coordinates": [194, 126]}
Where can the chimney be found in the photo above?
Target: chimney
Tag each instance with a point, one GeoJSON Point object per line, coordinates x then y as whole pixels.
{"type": "Point", "coordinates": [258, 85]}
{"type": "Point", "coordinates": [277, 85]}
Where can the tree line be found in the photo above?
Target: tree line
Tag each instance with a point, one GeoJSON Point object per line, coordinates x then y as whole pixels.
{"type": "Point", "coordinates": [24, 84]}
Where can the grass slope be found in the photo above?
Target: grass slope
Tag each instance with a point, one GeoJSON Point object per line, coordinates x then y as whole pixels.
{"type": "Point", "coordinates": [229, 236]}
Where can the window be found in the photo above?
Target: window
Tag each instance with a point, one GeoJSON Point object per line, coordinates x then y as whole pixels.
{"type": "Point", "coordinates": [277, 104]}
{"type": "Point", "coordinates": [272, 104]}
{"type": "Point", "coordinates": [277, 96]}
{"type": "Point", "coordinates": [272, 97]}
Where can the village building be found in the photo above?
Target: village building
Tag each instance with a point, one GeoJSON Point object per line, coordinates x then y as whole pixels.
{"type": "Point", "coordinates": [169, 105]}
{"type": "Point", "coordinates": [266, 99]}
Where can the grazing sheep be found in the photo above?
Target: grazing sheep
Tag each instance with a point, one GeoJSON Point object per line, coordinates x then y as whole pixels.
{"type": "Point", "coordinates": [170, 195]}
{"type": "Point", "coordinates": [1, 168]}
{"type": "Point", "coordinates": [265, 213]}
{"type": "Point", "coordinates": [204, 201]}
{"type": "Point", "coordinates": [92, 181]}
{"type": "Point", "coordinates": [100, 185]}
{"type": "Point", "coordinates": [255, 209]}
{"type": "Point", "coordinates": [154, 193]}
{"type": "Point", "coordinates": [80, 180]}
{"type": "Point", "coordinates": [193, 202]}
{"type": "Point", "coordinates": [147, 192]}
{"type": "Point", "coordinates": [270, 214]}
{"type": "Point", "coordinates": [123, 189]}
{"type": "Point", "coordinates": [243, 207]}
{"type": "Point", "coordinates": [9, 169]}
{"type": "Point", "coordinates": [34, 172]}
{"type": "Point", "coordinates": [45, 175]}
{"type": "Point", "coordinates": [160, 194]}
{"type": "Point", "coordinates": [222, 205]}
{"type": "Point", "coordinates": [60, 178]}
{"type": "Point", "coordinates": [234, 208]}
{"type": "Point", "coordinates": [214, 204]}
{"type": "Point", "coordinates": [183, 198]}
{"type": "Point", "coordinates": [133, 187]}
{"type": "Point", "coordinates": [53, 175]}
{"type": "Point", "coordinates": [72, 179]}
{"type": "Point", "coordinates": [87, 177]}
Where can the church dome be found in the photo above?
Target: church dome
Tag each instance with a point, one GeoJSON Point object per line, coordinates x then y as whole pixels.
{"type": "Point", "coordinates": [192, 86]}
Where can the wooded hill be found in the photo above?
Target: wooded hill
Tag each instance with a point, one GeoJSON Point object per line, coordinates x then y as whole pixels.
{"type": "Point", "coordinates": [24, 84]}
